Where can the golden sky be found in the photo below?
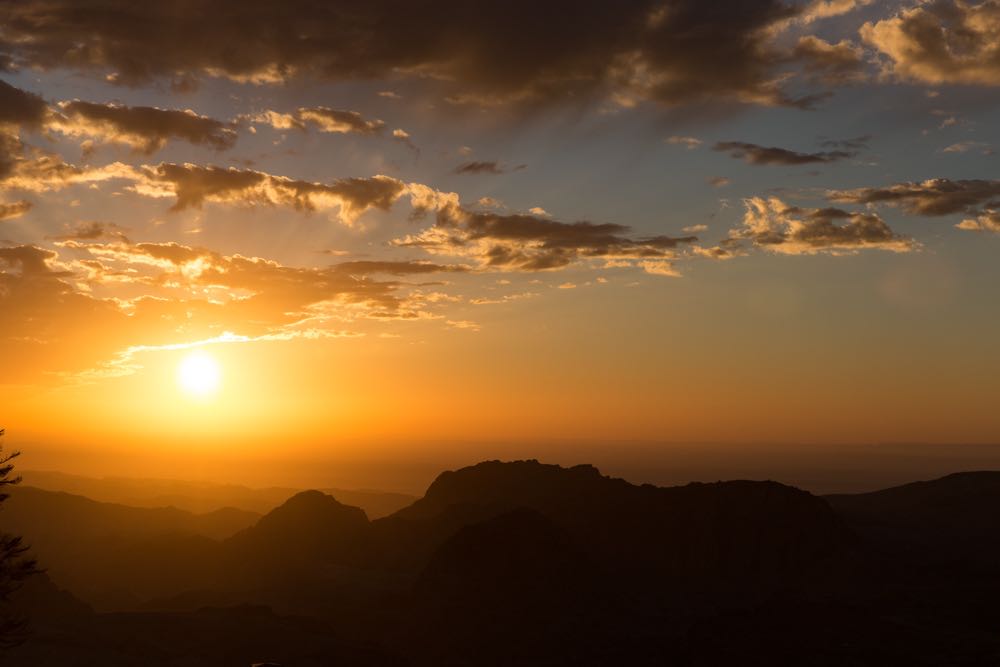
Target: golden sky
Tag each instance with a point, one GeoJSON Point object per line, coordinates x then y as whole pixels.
{"type": "Point", "coordinates": [363, 232]}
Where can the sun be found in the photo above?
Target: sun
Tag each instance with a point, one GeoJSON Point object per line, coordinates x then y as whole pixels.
{"type": "Point", "coordinates": [199, 374]}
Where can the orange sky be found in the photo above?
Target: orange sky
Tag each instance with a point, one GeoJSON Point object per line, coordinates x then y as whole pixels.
{"type": "Point", "coordinates": [412, 255]}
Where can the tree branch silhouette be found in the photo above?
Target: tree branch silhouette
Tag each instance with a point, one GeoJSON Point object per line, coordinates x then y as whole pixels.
{"type": "Point", "coordinates": [15, 564]}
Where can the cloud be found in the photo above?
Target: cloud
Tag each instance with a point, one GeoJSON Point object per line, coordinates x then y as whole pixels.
{"type": "Point", "coordinates": [11, 151]}
{"type": "Point", "coordinates": [718, 181]}
{"type": "Point", "coordinates": [686, 52]}
{"type": "Point", "coordinates": [942, 42]}
{"type": "Point", "coordinates": [394, 268]}
{"type": "Point", "coordinates": [403, 137]}
{"type": "Point", "coordinates": [337, 121]}
{"type": "Point", "coordinates": [324, 119]}
{"type": "Point", "coordinates": [480, 167]}
{"type": "Point", "coordinates": [506, 298]}
{"type": "Point", "coordinates": [938, 196]}
{"type": "Point", "coordinates": [832, 64]}
{"type": "Point", "coordinates": [144, 129]}
{"type": "Point", "coordinates": [192, 185]}
{"type": "Point", "coordinates": [695, 229]}
{"type": "Point", "coordinates": [823, 9]}
{"type": "Point", "coordinates": [28, 168]}
{"type": "Point", "coordinates": [490, 202]}
{"type": "Point", "coordinates": [48, 325]}
{"type": "Point", "coordinates": [989, 221]}
{"type": "Point", "coordinates": [769, 155]}
{"type": "Point", "coordinates": [689, 143]}
{"type": "Point", "coordinates": [964, 146]}
{"type": "Point", "coordinates": [20, 108]}
{"type": "Point", "coordinates": [92, 231]}
{"type": "Point", "coordinates": [521, 242]}
{"type": "Point", "coordinates": [14, 209]}
{"type": "Point", "coordinates": [854, 144]}
{"type": "Point", "coordinates": [54, 323]}
{"type": "Point", "coordinates": [773, 225]}
{"type": "Point", "coordinates": [818, 10]}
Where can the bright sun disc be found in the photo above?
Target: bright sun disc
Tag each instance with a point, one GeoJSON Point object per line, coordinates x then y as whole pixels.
{"type": "Point", "coordinates": [199, 374]}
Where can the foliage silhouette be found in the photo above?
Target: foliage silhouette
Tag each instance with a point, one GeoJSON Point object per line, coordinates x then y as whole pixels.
{"type": "Point", "coordinates": [15, 565]}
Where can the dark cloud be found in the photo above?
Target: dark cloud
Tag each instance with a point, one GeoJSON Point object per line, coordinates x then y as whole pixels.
{"type": "Point", "coordinates": [11, 151]}
{"type": "Point", "coordinates": [938, 196]}
{"type": "Point", "coordinates": [676, 52]}
{"type": "Point", "coordinates": [145, 129]}
{"type": "Point", "coordinates": [480, 167]}
{"type": "Point", "coordinates": [92, 231]}
{"type": "Point", "coordinates": [769, 155]}
{"type": "Point", "coordinates": [773, 225]}
{"type": "Point", "coordinates": [532, 243]}
{"type": "Point", "coordinates": [855, 144]}
{"type": "Point", "coordinates": [368, 267]}
{"type": "Point", "coordinates": [21, 108]}
{"type": "Point", "coordinates": [941, 42]}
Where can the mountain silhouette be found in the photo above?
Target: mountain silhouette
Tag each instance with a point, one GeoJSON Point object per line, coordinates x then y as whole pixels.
{"type": "Point", "coordinates": [696, 537]}
{"type": "Point", "coordinates": [310, 527]}
{"type": "Point", "coordinates": [59, 515]}
{"type": "Point", "coordinates": [527, 563]}
{"type": "Point", "coordinates": [202, 497]}
{"type": "Point", "coordinates": [956, 513]}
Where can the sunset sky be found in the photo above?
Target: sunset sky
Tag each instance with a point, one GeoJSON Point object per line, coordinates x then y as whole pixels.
{"type": "Point", "coordinates": [406, 230]}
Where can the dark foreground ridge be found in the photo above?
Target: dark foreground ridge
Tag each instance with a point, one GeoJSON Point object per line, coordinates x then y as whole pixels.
{"type": "Point", "coordinates": [523, 563]}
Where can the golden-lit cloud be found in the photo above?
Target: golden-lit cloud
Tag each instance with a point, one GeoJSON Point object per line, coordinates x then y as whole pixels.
{"type": "Point", "coordinates": [945, 42]}
{"type": "Point", "coordinates": [14, 209]}
{"type": "Point", "coordinates": [689, 143]}
{"type": "Point", "coordinates": [989, 221]}
{"type": "Point", "coordinates": [50, 303]}
{"type": "Point", "coordinates": [824, 9]}
{"type": "Point", "coordinates": [144, 129]}
{"type": "Point", "coordinates": [46, 319]}
{"type": "Point", "coordinates": [833, 64]}
{"type": "Point", "coordinates": [936, 196]}
{"type": "Point", "coordinates": [31, 169]}
{"type": "Point", "coordinates": [193, 185]}
{"type": "Point", "coordinates": [522, 242]}
{"type": "Point", "coordinates": [773, 225]}
{"type": "Point", "coordinates": [324, 119]}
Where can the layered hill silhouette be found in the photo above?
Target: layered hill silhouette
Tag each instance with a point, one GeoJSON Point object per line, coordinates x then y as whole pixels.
{"type": "Point", "coordinates": [957, 514]}
{"type": "Point", "coordinates": [527, 563]}
{"type": "Point", "coordinates": [202, 497]}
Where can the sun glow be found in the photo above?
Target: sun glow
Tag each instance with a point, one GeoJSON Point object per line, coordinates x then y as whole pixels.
{"type": "Point", "coordinates": [199, 374]}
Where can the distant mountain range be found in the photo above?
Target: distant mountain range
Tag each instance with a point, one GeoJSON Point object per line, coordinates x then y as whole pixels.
{"type": "Point", "coordinates": [202, 497]}
{"type": "Point", "coordinates": [525, 563]}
